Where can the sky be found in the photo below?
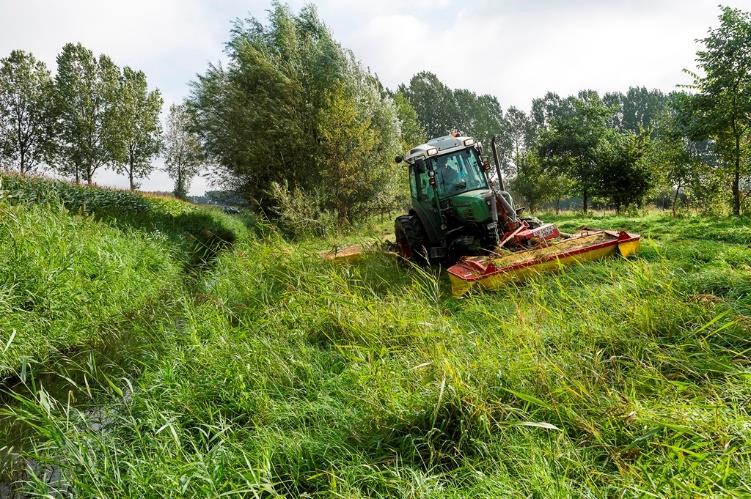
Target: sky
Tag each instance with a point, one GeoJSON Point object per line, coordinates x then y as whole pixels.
{"type": "Point", "coordinates": [514, 49]}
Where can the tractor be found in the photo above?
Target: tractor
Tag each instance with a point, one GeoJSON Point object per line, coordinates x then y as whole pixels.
{"type": "Point", "coordinates": [461, 217]}
{"type": "Point", "coordinates": [457, 209]}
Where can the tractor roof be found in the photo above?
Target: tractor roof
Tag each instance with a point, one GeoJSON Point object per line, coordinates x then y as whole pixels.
{"type": "Point", "coordinates": [444, 145]}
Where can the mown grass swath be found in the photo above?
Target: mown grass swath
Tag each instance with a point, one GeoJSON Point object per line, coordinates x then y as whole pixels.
{"type": "Point", "coordinates": [282, 374]}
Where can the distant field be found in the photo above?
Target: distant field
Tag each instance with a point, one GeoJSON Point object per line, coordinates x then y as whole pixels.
{"type": "Point", "coordinates": [277, 373]}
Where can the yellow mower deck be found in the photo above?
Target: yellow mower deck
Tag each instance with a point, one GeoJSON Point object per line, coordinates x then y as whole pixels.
{"type": "Point", "coordinates": [493, 272]}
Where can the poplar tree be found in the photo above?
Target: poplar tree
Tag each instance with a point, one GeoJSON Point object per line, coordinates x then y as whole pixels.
{"type": "Point", "coordinates": [183, 154]}
{"type": "Point", "coordinates": [137, 127]}
{"type": "Point", "coordinates": [25, 112]}
{"type": "Point", "coordinates": [86, 89]}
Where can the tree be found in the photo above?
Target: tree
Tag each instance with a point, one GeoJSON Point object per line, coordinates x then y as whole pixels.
{"type": "Point", "coordinates": [138, 127]}
{"type": "Point", "coordinates": [25, 111]}
{"type": "Point", "coordinates": [441, 109]}
{"type": "Point", "coordinates": [411, 129]}
{"type": "Point", "coordinates": [637, 109]}
{"type": "Point", "coordinates": [572, 141]}
{"type": "Point", "coordinates": [480, 116]}
{"type": "Point", "coordinates": [532, 181]}
{"type": "Point", "coordinates": [624, 175]}
{"type": "Point", "coordinates": [183, 154]}
{"type": "Point", "coordinates": [267, 118]}
{"type": "Point", "coordinates": [520, 132]}
{"type": "Point", "coordinates": [681, 161]}
{"type": "Point", "coordinates": [434, 103]}
{"type": "Point", "coordinates": [723, 104]}
{"type": "Point", "coordinates": [86, 107]}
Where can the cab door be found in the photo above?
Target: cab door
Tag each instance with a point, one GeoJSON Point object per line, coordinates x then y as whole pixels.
{"type": "Point", "coordinates": [424, 199]}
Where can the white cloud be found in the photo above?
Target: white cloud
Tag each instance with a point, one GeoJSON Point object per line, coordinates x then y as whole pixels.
{"type": "Point", "coordinates": [522, 51]}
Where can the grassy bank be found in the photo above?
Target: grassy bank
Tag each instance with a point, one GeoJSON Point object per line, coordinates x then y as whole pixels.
{"type": "Point", "coordinates": [66, 279]}
{"type": "Point", "coordinates": [77, 261]}
{"type": "Point", "coordinates": [290, 376]}
{"type": "Point", "coordinates": [88, 280]}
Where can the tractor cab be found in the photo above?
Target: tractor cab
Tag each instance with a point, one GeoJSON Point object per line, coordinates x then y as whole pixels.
{"type": "Point", "coordinates": [453, 206]}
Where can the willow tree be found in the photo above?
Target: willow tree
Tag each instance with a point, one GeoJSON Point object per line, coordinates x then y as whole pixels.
{"type": "Point", "coordinates": [268, 116]}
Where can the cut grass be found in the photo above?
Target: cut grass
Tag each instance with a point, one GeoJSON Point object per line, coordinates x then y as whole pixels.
{"type": "Point", "coordinates": [290, 376]}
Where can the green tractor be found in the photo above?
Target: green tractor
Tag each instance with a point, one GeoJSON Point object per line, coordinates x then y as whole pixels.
{"type": "Point", "coordinates": [456, 209]}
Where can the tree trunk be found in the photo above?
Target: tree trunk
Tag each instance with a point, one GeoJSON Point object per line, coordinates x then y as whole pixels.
{"type": "Point", "coordinates": [585, 199]}
{"type": "Point", "coordinates": [737, 178]}
{"type": "Point", "coordinates": [675, 198]}
{"type": "Point", "coordinates": [557, 205]}
{"type": "Point", "coordinates": [130, 176]}
{"type": "Point", "coordinates": [20, 145]}
{"type": "Point", "coordinates": [179, 183]}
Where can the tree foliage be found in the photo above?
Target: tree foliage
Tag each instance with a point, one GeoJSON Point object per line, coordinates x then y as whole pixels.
{"type": "Point", "coordinates": [625, 177]}
{"type": "Point", "coordinates": [638, 109]}
{"type": "Point", "coordinates": [412, 131]}
{"type": "Point", "coordinates": [723, 103]}
{"type": "Point", "coordinates": [441, 109]}
{"type": "Point", "coordinates": [578, 129]}
{"type": "Point", "coordinates": [184, 156]}
{"type": "Point", "coordinates": [86, 90]}
{"type": "Point", "coordinates": [137, 126]}
{"type": "Point", "coordinates": [272, 115]}
{"type": "Point", "coordinates": [26, 131]}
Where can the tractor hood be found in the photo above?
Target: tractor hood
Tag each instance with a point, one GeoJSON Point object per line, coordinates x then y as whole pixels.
{"type": "Point", "coordinates": [472, 206]}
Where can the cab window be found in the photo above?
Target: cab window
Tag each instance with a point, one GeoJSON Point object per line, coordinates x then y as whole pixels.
{"type": "Point", "coordinates": [459, 172]}
{"type": "Point", "coordinates": [420, 184]}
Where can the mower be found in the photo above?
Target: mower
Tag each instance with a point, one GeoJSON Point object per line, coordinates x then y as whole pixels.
{"type": "Point", "coordinates": [463, 218]}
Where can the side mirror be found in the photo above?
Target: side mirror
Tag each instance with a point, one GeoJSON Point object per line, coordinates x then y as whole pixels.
{"type": "Point", "coordinates": [398, 159]}
{"type": "Point", "coordinates": [420, 166]}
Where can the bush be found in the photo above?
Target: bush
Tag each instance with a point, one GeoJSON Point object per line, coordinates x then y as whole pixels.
{"type": "Point", "coordinates": [299, 214]}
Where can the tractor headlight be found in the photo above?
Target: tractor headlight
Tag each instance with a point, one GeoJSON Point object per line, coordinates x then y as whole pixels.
{"type": "Point", "coordinates": [432, 152]}
{"type": "Point", "coordinates": [469, 142]}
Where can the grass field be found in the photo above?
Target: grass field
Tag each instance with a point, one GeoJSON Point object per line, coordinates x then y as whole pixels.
{"type": "Point", "coordinates": [271, 373]}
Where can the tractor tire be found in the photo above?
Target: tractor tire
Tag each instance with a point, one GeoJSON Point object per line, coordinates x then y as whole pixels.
{"type": "Point", "coordinates": [410, 239]}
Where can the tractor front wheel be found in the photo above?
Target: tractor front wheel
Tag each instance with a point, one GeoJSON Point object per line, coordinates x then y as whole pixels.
{"type": "Point", "coordinates": [410, 239]}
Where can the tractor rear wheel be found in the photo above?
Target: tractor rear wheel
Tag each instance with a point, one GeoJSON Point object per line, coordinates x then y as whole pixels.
{"type": "Point", "coordinates": [410, 239]}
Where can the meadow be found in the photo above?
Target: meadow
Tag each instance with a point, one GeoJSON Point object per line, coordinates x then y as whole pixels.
{"type": "Point", "coordinates": [257, 369]}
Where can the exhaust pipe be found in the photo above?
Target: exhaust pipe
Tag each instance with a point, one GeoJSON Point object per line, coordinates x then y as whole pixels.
{"type": "Point", "coordinates": [497, 163]}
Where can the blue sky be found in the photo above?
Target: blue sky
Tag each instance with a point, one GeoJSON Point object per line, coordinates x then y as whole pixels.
{"type": "Point", "coordinates": [514, 49]}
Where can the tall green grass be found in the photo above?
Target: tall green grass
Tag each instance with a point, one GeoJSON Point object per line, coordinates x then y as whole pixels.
{"type": "Point", "coordinates": [285, 375]}
{"type": "Point", "coordinates": [64, 281]}
{"type": "Point", "coordinates": [75, 261]}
